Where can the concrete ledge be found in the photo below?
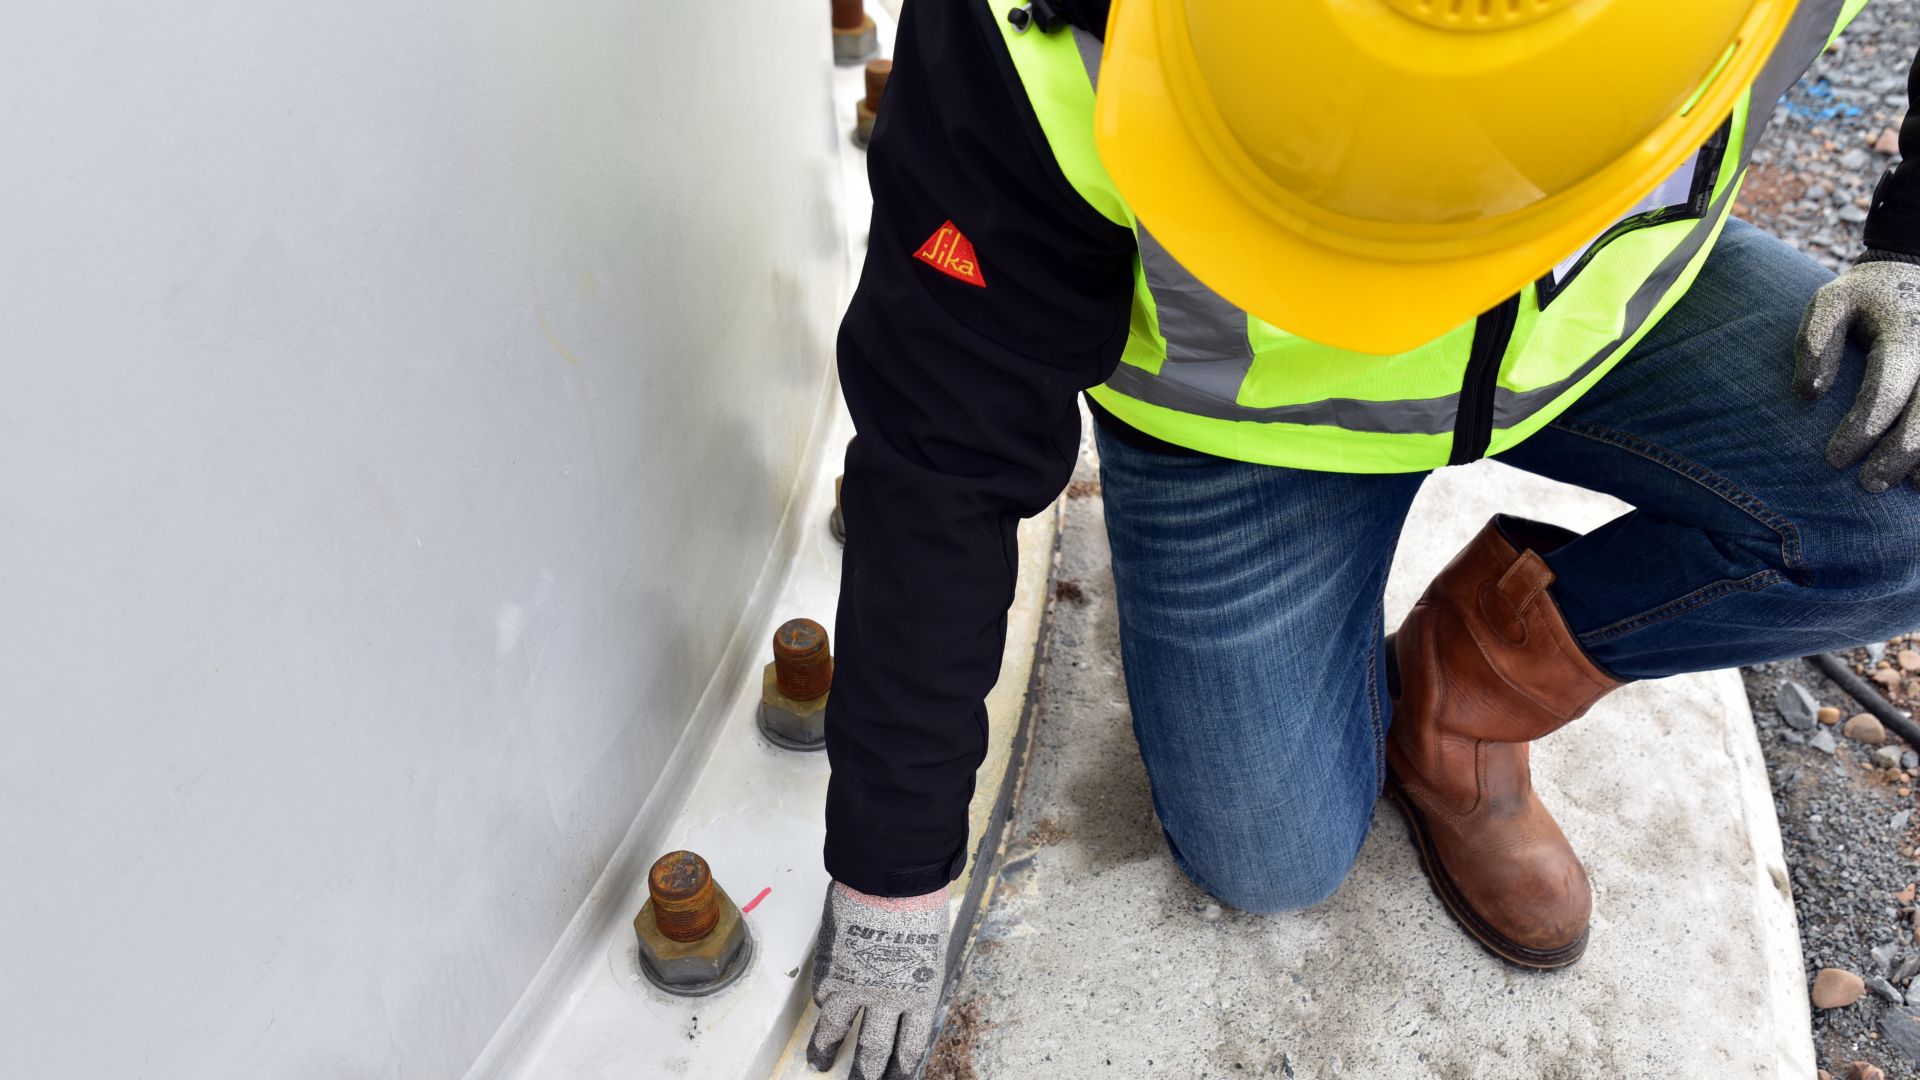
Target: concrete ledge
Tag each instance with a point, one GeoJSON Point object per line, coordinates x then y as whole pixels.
{"type": "Point", "coordinates": [1099, 959]}
{"type": "Point", "coordinates": [996, 783]}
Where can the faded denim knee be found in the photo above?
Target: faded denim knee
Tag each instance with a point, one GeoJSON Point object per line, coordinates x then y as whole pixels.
{"type": "Point", "coordinates": [1274, 868]}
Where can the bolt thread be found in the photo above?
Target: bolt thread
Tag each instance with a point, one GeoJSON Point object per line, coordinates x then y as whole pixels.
{"type": "Point", "coordinates": [685, 906]}
{"type": "Point", "coordinates": [877, 72]}
{"type": "Point", "coordinates": [848, 14]}
{"type": "Point", "coordinates": [802, 663]}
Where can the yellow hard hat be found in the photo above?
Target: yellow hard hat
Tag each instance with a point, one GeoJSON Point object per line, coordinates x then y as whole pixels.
{"type": "Point", "coordinates": [1370, 174]}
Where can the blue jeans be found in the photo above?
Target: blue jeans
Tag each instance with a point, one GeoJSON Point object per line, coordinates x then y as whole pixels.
{"type": "Point", "coordinates": [1250, 596]}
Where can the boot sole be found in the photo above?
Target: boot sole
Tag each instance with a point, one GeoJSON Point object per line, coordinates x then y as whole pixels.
{"type": "Point", "coordinates": [1476, 927]}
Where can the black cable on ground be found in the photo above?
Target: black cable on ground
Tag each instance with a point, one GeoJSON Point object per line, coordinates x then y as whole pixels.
{"type": "Point", "coordinates": [1896, 720]}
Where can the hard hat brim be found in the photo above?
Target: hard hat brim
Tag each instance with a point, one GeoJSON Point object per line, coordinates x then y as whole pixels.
{"type": "Point", "coordinates": [1364, 296]}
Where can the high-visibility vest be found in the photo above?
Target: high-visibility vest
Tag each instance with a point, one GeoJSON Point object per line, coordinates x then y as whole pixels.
{"type": "Point", "coordinates": [1201, 373]}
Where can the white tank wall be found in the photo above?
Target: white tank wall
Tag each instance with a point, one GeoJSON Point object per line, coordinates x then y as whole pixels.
{"type": "Point", "coordinates": [397, 405]}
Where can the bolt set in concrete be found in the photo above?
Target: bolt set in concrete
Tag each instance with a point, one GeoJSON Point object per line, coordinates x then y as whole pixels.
{"type": "Point", "coordinates": [855, 38]}
{"type": "Point", "coordinates": [867, 110]}
{"type": "Point", "coordinates": [693, 940]}
{"type": "Point", "coordinates": [793, 688]}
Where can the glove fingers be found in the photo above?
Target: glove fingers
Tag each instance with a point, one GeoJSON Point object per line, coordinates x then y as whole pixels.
{"type": "Point", "coordinates": [1821, 344]}
{"type": "Point", "coordinates": [836, 1016]}
{"type": "Point", "coordinates": [1884, 391]}
{"type": "Point", "coordinates": [916, 1035]}
{"type": "Point", "coordinates": [877, 1036]}
{"type": "Point", "coordinates": [1897, 456]}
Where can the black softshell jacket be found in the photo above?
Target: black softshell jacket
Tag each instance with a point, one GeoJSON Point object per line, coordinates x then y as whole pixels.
{"type": "Point", "coordinates": [964, 398]}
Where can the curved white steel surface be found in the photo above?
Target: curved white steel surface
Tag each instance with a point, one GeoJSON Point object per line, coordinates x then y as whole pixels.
{"type": "Point", "coordinates": [400, 416]}
{"type": "Point", "coordinates": [755, 813]}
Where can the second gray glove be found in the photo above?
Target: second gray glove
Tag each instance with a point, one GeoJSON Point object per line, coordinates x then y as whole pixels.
{"type": "Point", "coordinates": [886, 955]}
{"type": "Point", "coordinates": [1879, 297]}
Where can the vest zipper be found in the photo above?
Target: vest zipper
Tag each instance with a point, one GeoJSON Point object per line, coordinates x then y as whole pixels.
{"type": "Point", "coordinates": [1473, 425]}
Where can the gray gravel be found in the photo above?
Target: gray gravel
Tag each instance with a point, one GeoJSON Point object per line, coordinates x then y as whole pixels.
{"type": "Point", "coordinates": [1845, 817]}
{"type": "Point", "coordinates": [1849, 849]}
{"type": "Point", "coordinates": [1813, 174]}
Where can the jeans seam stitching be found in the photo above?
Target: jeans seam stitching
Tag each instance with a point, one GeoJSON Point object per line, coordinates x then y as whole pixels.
{"type": "Point", "coordinates": [1373, 692]}
{"type": "Point", "coordinates": [1727, 490]}
{"type": "Point", "coordinates": [1700, 597]}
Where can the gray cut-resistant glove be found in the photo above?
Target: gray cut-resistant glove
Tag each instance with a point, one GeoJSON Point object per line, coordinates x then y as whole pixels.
{"type": "Point", "coordinates": [885, 955]}
{"type": "Point", "coordinates": [1878, 298]}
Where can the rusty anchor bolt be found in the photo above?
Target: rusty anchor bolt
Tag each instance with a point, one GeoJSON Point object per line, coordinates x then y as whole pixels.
{"type": "Point", "coordinates": [693, 940]}
{"type": "Point", "coordinates": [681, 888]}
{"type": "Point", "coordinates": [867, 110]}
{"type": "Point", "coordinates": [848, 14]}
{"type": "Point", "coordinates": [854, 35]}
{"type": "Point", "coordinates": [793, 688]}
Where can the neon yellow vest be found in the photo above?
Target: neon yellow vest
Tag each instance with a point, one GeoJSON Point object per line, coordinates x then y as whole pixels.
{"type": "Point", "coordinates": [1199, 373]}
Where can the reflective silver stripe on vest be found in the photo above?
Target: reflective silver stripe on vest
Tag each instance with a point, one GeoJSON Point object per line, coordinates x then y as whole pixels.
{"type": "Point", "coordinates": [1202, 375]}
{"type": "Point", "coordinates": [1208, 354]}
{"type": "Point", "coordinates": [1207, 347]}
{"type": "Point", "coordinates": [1090, 48]}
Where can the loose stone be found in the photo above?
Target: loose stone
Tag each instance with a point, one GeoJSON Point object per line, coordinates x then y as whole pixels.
{"type": "Point", "coordinates": [1796, 705]}
{"type": "Point", "coordinates": [1900, 1026]}
{"type": "Point", "coordinates": [1907, 968]}
{"type": "Point", "coordinates": [1884, 955]}
{"type": "Point", "coordinates": [1884, 989]}
{"type": "Point", "coordinates": [1836, 988]}
{"type": "Point", "coordinates": [1866, 728]}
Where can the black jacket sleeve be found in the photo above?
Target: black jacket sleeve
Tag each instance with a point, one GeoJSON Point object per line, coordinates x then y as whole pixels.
{"type": "Point", "coordinates": [1893, 224]}
{"type": "Point", "coordinates": [963, 399]}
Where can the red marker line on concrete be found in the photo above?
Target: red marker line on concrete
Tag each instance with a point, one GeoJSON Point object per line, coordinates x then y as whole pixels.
{"type": "Point", "coordinates": [755, 902]}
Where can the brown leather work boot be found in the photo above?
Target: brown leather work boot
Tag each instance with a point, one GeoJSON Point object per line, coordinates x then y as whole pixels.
{"type": "Point", "coordinates": [1486, 664]}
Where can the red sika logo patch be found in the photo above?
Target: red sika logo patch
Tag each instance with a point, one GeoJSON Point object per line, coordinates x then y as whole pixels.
{"type": "Point", "coordinates": [952, 254]}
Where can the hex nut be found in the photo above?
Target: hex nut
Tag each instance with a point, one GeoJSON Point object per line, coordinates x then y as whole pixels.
{"type": "Point", "coordinates": [694, 968]}
{"type": "Point", "coordinates": [794, 725]}
{"type": "Point", "coordinates": [867, 111]}
{"type": "Point", "coordinates": [863, 120]}
{"type": "Point", "coordinates": [857, 44]}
